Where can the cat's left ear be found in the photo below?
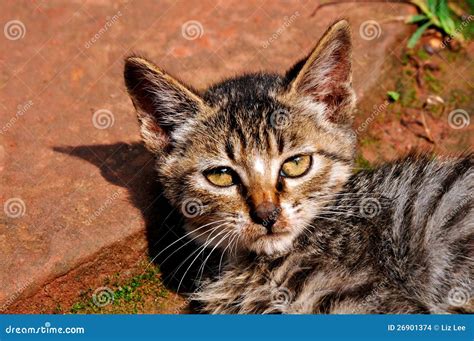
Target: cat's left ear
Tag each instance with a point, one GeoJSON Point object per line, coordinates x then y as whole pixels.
{"type": "Point", "coordinates": [324, 78]}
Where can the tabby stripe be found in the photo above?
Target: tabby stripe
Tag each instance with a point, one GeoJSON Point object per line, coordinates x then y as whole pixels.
{"type": "Point", "coordinates": [299, 278]}
{"type": "Point", "coordinates": [408, 212]}
{"type": "Point", "coordinates": [333, 156]}
{"type": "Point", "coordinates": [242, 138]}
{"type": "Point", "coordinates": [457, 171]}
{"type": "Point", "coordinates": [267, 141]}
{"type": "Point", "coordinates": [329, 301]}
{"type": "Point", "coordinates": [281, 144]}
{"type": "Point", "coordinates": [420, 308]}
{"type": "Point", "coordinates": [229, 149]}
{"type": "Point", "coordinates": [275, 263]}
{"type": "Point", "coordinates": [237, 128]}
{"type": "Point", "coordinates": [463, 249]}
{"type": "Point", "coordinates": [456, 216]}
{"type": "Point", "coordinates": [419, 230]}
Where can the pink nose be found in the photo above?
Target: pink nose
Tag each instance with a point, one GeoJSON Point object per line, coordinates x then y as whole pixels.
{"type": "Point", "coordinates": [265, 214]}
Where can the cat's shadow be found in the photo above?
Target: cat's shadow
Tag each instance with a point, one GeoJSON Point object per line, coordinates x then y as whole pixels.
{"type": "Point", "coordinates": [131, 166]}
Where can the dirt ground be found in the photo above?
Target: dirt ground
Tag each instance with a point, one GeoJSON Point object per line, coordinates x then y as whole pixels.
{"type": "Point", "coordinates": [84, 238]}
{"type": "Point", "coordinates": [434, 89]}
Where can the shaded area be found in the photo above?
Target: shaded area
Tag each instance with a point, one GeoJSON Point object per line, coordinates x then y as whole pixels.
{"type": "Point", "coordinates": [131, 166]}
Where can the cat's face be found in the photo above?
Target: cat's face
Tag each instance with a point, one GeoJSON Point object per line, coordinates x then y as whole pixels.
{"type": "Point", "coordinates": [251, 161]}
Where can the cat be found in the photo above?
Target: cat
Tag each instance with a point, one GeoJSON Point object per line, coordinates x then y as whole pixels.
{"type": "Point", "coordinates": [261, 166]}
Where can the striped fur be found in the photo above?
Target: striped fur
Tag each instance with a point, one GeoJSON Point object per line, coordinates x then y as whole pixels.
{"type": "Point", "coordinates": [398, 239]}
{"type": "Point", "coordinates": [413, 254]}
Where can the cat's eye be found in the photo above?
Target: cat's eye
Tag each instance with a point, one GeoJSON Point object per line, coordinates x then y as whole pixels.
{"type": "Point", "coordinates": [222, 176]}
{"type": "Point", "coordinates": [296, 166]}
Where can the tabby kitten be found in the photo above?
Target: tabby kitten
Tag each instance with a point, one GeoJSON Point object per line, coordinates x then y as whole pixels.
{"type": "Point", "coordinates": [268, 159]}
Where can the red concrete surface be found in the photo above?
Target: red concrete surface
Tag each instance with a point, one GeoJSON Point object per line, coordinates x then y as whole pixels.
{"type": "Point", "coordinates": [70, 180]}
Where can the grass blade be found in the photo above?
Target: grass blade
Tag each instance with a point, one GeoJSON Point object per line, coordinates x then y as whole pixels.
{"type": "Point", "coordinates": [417, 35]}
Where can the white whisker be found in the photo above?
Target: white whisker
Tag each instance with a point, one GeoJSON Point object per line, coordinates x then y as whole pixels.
{"type": "Point", "coordinates": [187, 234]}
{"type": "Point", "coordinates": [195, 258]}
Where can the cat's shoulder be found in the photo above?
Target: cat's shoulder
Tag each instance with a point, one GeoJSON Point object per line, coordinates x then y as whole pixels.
{"type": "Point", "coordinates": [424, 163]}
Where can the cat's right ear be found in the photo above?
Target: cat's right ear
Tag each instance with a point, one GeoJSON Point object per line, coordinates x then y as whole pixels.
{"type": "Point", "coordinates": [162, 102]}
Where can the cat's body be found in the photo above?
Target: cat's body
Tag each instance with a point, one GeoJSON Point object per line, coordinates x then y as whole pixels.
{"type": "Point", "coordinates": [261, 166]}
{"type": "Point", "coordinates": [397, 239]}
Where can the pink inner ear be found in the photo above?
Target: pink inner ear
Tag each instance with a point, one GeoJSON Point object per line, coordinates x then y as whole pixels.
{"type": "Point", "coordinates": [329, 70]}
{"type": "Point", "coordinates": [162, 138]}
{"type": "Point", "coordinates": [156, 139]}
{"type": "Point", "coordinates": [332, 102]}
{"type": "Point", "coordinates": [341, 72]}
{"type": "Point", "coordinates": [328, 79]}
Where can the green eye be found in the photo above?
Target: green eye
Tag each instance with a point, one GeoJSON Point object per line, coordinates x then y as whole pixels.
{"type": "Point", "coordinates": [296, 166]}
{"type": "Point", "coordinates": [222, 176]}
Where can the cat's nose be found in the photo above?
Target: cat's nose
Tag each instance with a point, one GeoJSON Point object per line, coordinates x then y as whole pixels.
{"type": "Point", "coordinates": [266, 214]}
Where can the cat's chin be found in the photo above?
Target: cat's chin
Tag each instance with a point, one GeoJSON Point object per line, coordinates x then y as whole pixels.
{"type": "Point", "coordinates": [271, 244]}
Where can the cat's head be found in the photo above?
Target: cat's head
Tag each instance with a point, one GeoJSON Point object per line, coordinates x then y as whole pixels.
{"type": "Point", "coordinates": [251, 161]}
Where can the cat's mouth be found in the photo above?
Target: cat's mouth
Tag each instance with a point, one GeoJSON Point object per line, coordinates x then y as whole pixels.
{"type": "Point", "coordinates": [274, 243]}
{"type": "Point", "coordinates": [269, 242]}
{"type": "Point", "coordinates": [274, 235]}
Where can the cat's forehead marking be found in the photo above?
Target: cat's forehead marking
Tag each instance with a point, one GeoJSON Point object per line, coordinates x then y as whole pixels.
{"type": "Point", "coordinates": [259, 165]}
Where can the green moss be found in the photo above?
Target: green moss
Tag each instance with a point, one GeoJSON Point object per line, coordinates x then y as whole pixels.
{"type": "Point", "coordinates": [406, 58]}
{"type": "Point", "coordinates": [78, 307]}
{"type": "Point", "coordinates": [58, 309]}
{"type": "Point", "coordinates": [422, 54]}
{"type": "Point", "coordinates": [457, 97]}
{"type": "Point", "coordinates": [405, 86]}
{"type": "Point", "coordinates": [127, 295]}
{"type": "Point", "coordinates": [469, 32]}
{"type": "Point", "coordinates": [408, 97]}
{"type": "Point", "coordinates": [362, 163]}
{"type": "Point", "coordinates": [437, 111]}
{"type": "Point", "coordinates": [368, 141]}
{"type": "Point", "coordinates": [433, 83]}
